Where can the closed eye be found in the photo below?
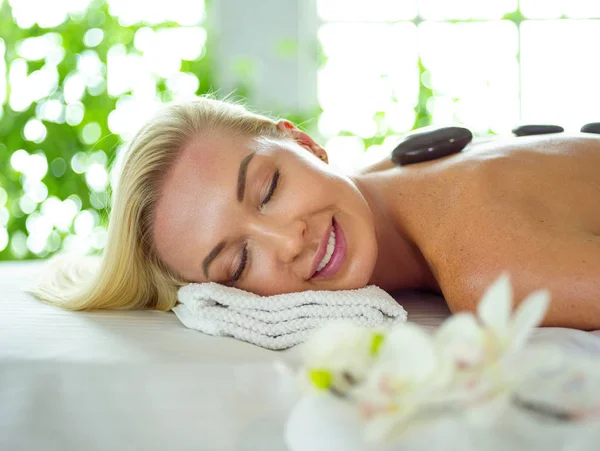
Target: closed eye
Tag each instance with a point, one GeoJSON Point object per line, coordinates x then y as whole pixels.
{"type": "Point", "coordinates": [244, 257]}
{"type": "Point", "coordinates": [242, 266]}
{"type": "Point", "coordinates": [271, 189]}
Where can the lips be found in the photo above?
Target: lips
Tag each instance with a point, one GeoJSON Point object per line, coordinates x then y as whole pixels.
{"type": "Point", "coordinates": [321, 250]}
{"type": "Point", "coordinates": [337, 258]}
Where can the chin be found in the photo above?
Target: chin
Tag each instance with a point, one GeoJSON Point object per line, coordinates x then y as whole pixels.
{"type": "Point", "coordinates": [359, 283]}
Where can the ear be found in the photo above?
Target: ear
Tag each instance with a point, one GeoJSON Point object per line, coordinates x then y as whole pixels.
{"type": "Point", "coordinates": [302, 138]}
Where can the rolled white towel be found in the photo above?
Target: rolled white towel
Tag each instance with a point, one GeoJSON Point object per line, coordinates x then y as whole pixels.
{"type": "Point", "coordinates": [284, 320]}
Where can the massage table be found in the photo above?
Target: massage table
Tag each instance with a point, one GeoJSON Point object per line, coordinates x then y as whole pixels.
{"type": "Point", "coordinates": [139, 380]}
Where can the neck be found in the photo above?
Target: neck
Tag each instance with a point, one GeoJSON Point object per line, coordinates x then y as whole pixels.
{"type": "Point", "coordinates": [400, 263]}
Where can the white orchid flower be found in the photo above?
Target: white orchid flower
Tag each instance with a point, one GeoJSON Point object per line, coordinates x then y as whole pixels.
{"type": "Point", "coordinates": [402, 378]}
{"type": "Point", "coordinates": [338, 355]}
{"type": "Point", "coordinates": [417, 379]}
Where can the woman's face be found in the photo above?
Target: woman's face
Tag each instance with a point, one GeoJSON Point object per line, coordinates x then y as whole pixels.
{"type": "Point", "coordinates": [258, 214]}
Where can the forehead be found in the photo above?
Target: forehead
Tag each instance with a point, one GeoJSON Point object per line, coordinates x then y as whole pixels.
{"type": "Point", "coordinates": [202, 179]}
{"type": "Point", "coordinates": [211, 153]}
{"type": "Point", "coordinates": [205, 165]}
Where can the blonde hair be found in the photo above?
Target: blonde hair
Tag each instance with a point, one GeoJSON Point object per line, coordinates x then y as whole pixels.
{"type": "Point", "coordinates": [129, 274]}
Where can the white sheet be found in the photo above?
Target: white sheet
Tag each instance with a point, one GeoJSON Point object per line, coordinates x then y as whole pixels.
{"type": "Point", "coordinates": [130, 380]}
{"type": "Point", "coordinates": [142, 381]}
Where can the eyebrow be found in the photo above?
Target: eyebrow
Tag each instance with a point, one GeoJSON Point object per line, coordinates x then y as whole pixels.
{"type": "Point", "coordinates": [212, 255]}
{"type": "Point", "coordinates": [241, 185]}
{"type": "Point", "coordinates": [241, 188]}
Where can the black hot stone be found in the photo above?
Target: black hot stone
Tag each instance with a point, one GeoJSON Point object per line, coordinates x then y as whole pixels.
{"type": "Point", "coordinates": [526, 130]}
{"type": "Point", "coordinates": [429, 145]}
{"type": "Point", "coordinates": [593, 127]}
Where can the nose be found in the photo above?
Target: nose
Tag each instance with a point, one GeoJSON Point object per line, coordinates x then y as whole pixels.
{"type": "Point", "coordinates": [287, 239]}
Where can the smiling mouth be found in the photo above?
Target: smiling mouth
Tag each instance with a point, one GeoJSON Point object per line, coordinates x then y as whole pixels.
{"type": "Point", "coordinates": [334, 255]}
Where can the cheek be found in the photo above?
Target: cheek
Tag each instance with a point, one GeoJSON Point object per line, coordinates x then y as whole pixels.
{"type": "Point", "coordinates": [267, 281]}
{"type": "Point", "coordinates": [317, 186]}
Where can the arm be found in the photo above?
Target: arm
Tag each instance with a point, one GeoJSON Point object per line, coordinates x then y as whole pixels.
{"type": "Point", "coordinates": [567, 265]}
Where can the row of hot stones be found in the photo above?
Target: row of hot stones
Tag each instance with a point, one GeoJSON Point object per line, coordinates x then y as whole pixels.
{"type": "Point", "coordinates": [420, 146]}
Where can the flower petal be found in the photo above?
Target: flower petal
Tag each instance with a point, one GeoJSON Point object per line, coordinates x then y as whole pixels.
{"type": "Point", "coordinates": [528, 316]}
{"type": "Point", "coordinates": [462, 339]}
{"type": "Point", "coordinates": [339, 346]}
{"type": "Point", "coordinates": [408, 351]}
{"type": "Point", "coordinates": [496, 304]}
{"type": "Point", "coordinates": [461, 326]}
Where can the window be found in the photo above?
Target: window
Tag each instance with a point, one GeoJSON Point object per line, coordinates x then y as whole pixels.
{"type": "Point", "coordinates": [391, 66]}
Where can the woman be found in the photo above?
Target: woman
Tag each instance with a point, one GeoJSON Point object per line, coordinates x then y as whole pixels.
{"type": "Point", "coordinates": [212, 192]}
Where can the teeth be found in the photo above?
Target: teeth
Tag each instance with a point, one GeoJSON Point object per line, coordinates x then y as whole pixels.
{"type": "Point", "coordinates": [329, 252]}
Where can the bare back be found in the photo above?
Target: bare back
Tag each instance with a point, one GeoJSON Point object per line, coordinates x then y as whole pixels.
{"type": "Point", "coordinates": [529, 205]}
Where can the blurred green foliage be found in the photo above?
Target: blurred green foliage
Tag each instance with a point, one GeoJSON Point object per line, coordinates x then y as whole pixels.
{"type": "Point", "coordinates": [28, 229]}
{"type": "Point", "coordinates": [64, 141]}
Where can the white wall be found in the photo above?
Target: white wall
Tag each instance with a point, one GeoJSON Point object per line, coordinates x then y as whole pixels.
{"type": "Point", "coordinates": [271, 46]}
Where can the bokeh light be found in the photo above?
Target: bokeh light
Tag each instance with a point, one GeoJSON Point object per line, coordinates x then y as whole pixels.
{"type": "Point", "coordinates": [3, 238]}
{"type": "Point", "coordinates": [4, 216]}
{"type": "Point", "coordinates": [60, 213]}
{"type": "Point", "coordinates": [182, 12]}
{"type": "Point", "coordinates": [93, 37]}
{"type": "Point", "coordinates": [28, 13]}
{"type": "Point", "coordinates": [51, 110]}
{"type": "Point", "coordinates": [91, 133]}
{"type": "Point", "coordinates": [58, 167]}
{"type": "Point", "coordinates": [96, 177]}
{"type": "Point", "coordinates": [3, 196]}
{"type": "Point", "coordinates": [34, 131]}
{"type": "Point", "coordinates": [74, 113]}
{"type": "Point", "coordinates": [18, 244]}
